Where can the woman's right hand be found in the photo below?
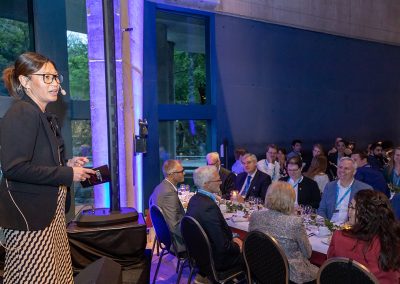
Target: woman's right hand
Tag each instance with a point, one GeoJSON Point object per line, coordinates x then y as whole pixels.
{"type": "Point", "coordinates": [81, 174]}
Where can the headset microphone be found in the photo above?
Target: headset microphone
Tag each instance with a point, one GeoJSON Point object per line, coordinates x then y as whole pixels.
{"type": "Point", "coordinates": [62, 91]}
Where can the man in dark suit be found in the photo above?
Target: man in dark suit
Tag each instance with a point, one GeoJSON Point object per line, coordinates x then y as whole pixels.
{"type": "Point", "coordinates": [165, 195]}
{"type": "Point", "coordinates": [203, 207]}
{"type": "Point", "coordinates": [227, 177]}
{"type": "Point", "coordinates": [252, 182]}
{"type": "Point", "coordinates": [307, 191]}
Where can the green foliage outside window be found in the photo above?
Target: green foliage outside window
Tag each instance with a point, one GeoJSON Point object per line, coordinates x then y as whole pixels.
{"type": "Point", "coordinates": [14, 40]}
{"type": "Point", "coordinates": [189, 77]}
{"type": "Point", "coordinates": [78, 66]}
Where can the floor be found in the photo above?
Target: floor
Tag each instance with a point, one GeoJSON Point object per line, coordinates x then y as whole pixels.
{"type": "Point", "coordinates": [166, 273]}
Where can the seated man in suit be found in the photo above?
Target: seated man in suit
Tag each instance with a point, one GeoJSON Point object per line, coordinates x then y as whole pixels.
{"type": "Point", "coordinates": [203, 207]}
{"type": "Point", "coordinates": [227, 177]}
{"type": "Point", "coordinates": [306, 189]}
{"type": "Point", "coordinates": [252, 182]}
{"type": "Point", "coordinates": [165, 195]}
{"type": "Point", "coordinates": [367, 174]}
{"type": "Point", "coordinates": [338, 193]}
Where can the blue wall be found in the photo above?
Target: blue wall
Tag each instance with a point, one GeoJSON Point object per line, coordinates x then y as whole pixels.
{"type": "Point", "coordinates": [277, 83]}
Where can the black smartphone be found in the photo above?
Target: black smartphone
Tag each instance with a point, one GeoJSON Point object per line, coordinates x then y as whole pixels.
{"type": "Point", "coordinates": [102, 175]}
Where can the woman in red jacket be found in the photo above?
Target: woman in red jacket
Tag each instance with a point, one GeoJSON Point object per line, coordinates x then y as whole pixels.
{"type": "Point", "coordinates": [373, 239]}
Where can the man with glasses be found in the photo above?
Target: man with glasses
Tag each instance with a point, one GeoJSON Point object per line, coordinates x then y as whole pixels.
{"type": "Point", "coordinates": [270, 165]}
{"type": "Point", "coordinates": [165, 195]}
{"type": "Point", "coordinates": [226, 176]}
{"type": "Point", "coordinates": [306, 189]}
{"type": "Point", "coordinates": [203, 207]}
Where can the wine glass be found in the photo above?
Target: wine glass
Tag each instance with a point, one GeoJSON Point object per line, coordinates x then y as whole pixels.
{"type": "Point", "coordinates": [307, 212]}
{"type": "Point", "coordinates": [251, 201]}
{"type": "Point", "coordinates": [313, 215]}
{"type": "Point", "coordinates": [259, 203]}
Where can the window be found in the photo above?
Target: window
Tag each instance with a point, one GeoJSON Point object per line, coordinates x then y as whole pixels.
{"type": "Point", "coordinates": [184, 140]}
{"type": "Point", "coordinates": [78, 68]}
{"type": "Point", "coordinates": [181, 55]}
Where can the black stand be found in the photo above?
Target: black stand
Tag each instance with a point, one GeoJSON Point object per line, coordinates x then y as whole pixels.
{"type": "Point", "coordinates": [104, 216]}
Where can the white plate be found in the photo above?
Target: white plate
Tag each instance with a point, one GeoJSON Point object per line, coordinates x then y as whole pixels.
{"type": "Point", "coordinates": [326, 241]}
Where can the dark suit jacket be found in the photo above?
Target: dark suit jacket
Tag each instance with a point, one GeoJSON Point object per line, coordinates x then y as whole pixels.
{"type": "Point", "coordinates": [228, 182]}
{"type": "Point", "coordinates": [31, 164]}
{"type": "Point", "coordinates": [226, 253]}
{"type": "Point", "coordinates": [307, 192]}
{"type": "Point", "coordinates": [258, 186]}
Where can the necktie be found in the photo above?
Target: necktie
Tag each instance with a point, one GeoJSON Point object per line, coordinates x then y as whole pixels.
{"type": "Point", "coordinates": [246, 188]}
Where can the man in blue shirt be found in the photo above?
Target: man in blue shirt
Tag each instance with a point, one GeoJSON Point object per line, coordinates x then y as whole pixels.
{"type": "Point", "coordinates": [369, 175]}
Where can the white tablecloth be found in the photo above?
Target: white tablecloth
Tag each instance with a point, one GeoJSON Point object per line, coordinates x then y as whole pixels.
{"type": "Point", "coordinates": [316, 242]}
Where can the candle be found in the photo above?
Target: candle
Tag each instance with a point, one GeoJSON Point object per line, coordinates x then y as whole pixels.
{"type": "Point", "coordinates": [234, 195]}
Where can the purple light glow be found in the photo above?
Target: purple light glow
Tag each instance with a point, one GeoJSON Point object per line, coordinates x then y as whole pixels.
{"type": "Point", "coordinates": [98, 111]}
{"type": "Point", "coordinates": [130, 108]}
{"type": "Point", "coordinates": [136, 11]}
{"type": "Point", "coordinates": [120, 105]}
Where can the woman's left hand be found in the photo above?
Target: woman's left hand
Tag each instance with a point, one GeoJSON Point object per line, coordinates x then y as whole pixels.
{"type": "Point", "coordinates": [77, 162]}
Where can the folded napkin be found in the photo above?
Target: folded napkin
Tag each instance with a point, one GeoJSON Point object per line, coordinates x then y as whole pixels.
{"type": "Point", "coordinates": [239, 219]}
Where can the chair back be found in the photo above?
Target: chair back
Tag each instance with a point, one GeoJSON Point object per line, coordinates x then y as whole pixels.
{"type": "Point", "coordinates": [345, 271]}
{"type": "Point", "coordinates": [265, 260]}
{"type": "Point", "coordinates": [161, 227]}
{"type": "Point", "coordinates": [198, 246]}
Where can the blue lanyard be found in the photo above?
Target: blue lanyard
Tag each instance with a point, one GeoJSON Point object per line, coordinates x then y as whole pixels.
{"type": "Point", "coordinates": [344, 195]}
{"type": "Point", "coordinates": [299, 181]}
{"type": "Point", "coordinates": [273, 174]}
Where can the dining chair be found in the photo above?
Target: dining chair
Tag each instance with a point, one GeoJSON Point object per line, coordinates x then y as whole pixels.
{"type": "Point", "coordinates": [345, 271]}
{"type": "Point", "coordinates": [200, 253]}
{"type": "Point", "coordinates": [265, 260]}
{"type": "Point", "coordinates": [166, 241]}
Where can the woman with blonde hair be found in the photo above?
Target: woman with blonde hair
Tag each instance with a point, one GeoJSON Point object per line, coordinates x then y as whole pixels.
{"type": "Point", "coordinates": [288, 229]}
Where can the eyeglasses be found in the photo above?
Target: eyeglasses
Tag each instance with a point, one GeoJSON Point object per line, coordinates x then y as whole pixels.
{"type": "Point", "coordinates": [217, 180]}
{"type": "Point", "coordinates": [293, 170]}
{"type": "Point", "coordinates": [180, 172]}
{"type": "Point", "coordinates": [49, 78]}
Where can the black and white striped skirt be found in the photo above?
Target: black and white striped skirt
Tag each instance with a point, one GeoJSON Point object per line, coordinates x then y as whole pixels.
{"type": "Point", "coordinates": [40, 256]}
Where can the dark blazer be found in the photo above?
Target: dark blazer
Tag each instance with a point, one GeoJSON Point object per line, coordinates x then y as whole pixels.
{"type": "Point", "coordinates": [226, 253]}
{"type": "Point", "coordinates": [228, 182]}
{"type": "Point", "coordinates": [374, 178]}
{"type": "Point", "coordinates": [258, 186]}
{"type": "Point", "coordinates": [307, 191]}
{"type": "Point", "coordinates": [31, 165]}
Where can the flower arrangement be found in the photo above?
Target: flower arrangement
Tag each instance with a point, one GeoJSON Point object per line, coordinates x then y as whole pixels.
{"type": "Point", "coordinates": [232, 207]}
{"type": "Point", "coordinates": [331, 226]}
